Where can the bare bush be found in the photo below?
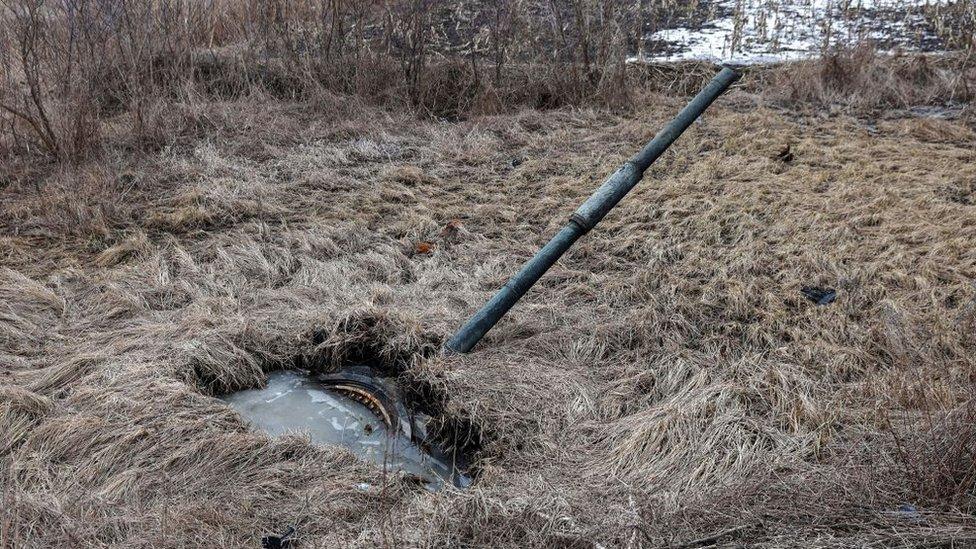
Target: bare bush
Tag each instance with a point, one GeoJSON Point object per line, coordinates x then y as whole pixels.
{"type": "Point", "coordinates": [69, 66]}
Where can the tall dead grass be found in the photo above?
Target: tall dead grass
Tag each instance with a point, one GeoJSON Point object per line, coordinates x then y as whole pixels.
{"type": "Point", "coordinates": [68, 67]}
{"type": "Point", "coordinates": [860, 79]}
{"type": "Point", "coordinates": [78, 75]}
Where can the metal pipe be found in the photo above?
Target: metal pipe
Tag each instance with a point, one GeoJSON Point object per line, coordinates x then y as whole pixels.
{"type": "Point", "coordinates": [587, 216]}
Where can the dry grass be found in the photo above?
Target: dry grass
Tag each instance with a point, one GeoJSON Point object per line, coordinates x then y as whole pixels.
{"type": "Point", "coordinates": [664, 382]}
{"type": "Point", "coordinates": [194, 196]}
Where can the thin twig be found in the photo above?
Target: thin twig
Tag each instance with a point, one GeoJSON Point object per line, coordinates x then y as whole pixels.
{"type": "Point", "coordinates": [713, 538]}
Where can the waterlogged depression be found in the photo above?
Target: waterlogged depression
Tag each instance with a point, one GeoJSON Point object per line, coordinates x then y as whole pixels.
{"type": "Point", "coordinates": [294, 402]}
{"type": "Point", "coordinates": [765, 31]}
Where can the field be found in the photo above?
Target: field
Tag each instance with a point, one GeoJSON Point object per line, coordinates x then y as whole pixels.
{"type": "Point", "coordinates": [666, 383]}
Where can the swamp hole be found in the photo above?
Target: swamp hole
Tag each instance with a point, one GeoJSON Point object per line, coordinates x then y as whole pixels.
{"type": "Point", "coordinates": [356, 410]}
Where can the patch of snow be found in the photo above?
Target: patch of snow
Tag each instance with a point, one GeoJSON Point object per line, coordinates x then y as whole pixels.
{"type": "Point", "coordinates": [769, 31]}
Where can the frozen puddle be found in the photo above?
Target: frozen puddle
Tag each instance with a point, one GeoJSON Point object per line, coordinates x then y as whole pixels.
{"type": "Point", "coordinates": [295, 402]}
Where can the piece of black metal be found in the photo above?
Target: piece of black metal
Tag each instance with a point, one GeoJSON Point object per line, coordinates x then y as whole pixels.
{"type": "Point", "coordinates": [587, 216]}
{"type": "Point", "coordinates": [278, 542]}
{"type": "Point", "coordinates": [820, 296]}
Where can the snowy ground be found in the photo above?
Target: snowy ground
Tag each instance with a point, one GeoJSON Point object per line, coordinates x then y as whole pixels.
{"type": "Point", "coordinates": [764, 31]}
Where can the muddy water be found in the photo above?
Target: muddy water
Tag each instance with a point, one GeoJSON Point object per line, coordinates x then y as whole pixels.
{"type": "Point", "coordinates": [293, 402]}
